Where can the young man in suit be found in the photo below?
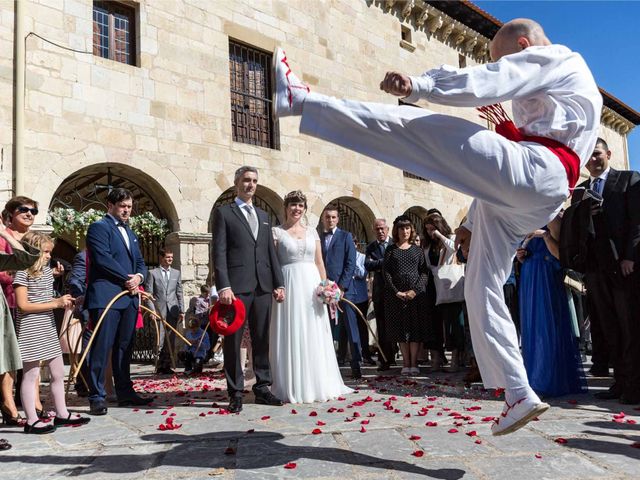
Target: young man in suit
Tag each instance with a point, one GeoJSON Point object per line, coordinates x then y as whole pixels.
{"type": "Point", "coordinates": [611, 277]}
{"type": "Point", "coordinates": [247, 268]}
{"type": "Point", "coordinates": [373, 263]}
{"type": "Point", "coordinates": [115, 264]}
{"type": "Point", "coordinates": [165, 284]}
{"type": "Point", "coordinates": [339, 255]}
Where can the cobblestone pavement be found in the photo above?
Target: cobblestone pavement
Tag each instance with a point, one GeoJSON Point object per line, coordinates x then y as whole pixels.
{"type": "Point", "coordinates": [380, 432]}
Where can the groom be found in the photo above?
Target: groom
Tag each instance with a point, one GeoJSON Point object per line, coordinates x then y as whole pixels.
{"type": "Point", "coordinates": [247, 268]}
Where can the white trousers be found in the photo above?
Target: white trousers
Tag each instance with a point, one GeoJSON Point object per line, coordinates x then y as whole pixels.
{"type": "Point", "coordinates": [517, 187]}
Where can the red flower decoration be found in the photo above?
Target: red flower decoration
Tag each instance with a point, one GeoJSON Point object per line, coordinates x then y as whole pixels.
{"type": "Point", "coordinates": [418, 453]}
{"type": "Point", "coordinates": [290, 465]}
{"type": "Point", "coordinates": [316, 431]}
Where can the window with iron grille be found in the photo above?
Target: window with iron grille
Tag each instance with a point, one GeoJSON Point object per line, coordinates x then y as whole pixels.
{"type": "Point", "coordinates": [114, 31]}
{"type": "Point", "coordinates": [252, 121]}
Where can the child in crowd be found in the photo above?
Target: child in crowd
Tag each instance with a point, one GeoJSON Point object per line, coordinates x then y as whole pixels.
{"type": "Point", "coordinates": [193, 356]}
{"type": "Point", "coordinates": [38, 337]}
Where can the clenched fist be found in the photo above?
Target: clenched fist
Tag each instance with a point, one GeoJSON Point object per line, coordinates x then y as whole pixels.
{"type": "Point", "coordinates": [397, 84]}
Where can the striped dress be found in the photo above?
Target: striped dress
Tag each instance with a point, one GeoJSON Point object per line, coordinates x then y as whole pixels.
{"type": "Point", "coordinates": [37, 333]}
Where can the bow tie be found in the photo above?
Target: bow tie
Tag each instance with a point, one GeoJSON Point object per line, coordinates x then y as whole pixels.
{"type": "Point", "coordinates": [121, 224]}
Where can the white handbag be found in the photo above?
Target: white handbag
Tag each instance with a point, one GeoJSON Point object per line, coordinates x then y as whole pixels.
{"type": "Point", "coordinates": [449, 283]}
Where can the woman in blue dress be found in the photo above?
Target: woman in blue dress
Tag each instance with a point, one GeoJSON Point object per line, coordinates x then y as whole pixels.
{"type": "Point", "coordinates": [549, 346]}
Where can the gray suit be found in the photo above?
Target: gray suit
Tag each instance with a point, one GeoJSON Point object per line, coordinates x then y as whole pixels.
{"type": "Point", "coordinates": [168, 303]}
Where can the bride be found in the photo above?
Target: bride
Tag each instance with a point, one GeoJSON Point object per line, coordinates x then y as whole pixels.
{"type": "Point", "coordinates": [302, 356]}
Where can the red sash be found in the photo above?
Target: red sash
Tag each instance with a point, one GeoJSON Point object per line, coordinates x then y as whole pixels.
{"type": "Point", "coordinates": [505, 127]}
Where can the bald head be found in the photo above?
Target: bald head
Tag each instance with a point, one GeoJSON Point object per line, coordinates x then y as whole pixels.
{"type": "Point", "coordinates": [517, 35]}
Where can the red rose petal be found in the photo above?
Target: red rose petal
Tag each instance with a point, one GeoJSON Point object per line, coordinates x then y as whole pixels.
{"type": "Point", "coordinates": [313, 414]}
{"type": "Point", "coordinates": [560, 440]}
{"type": "Point", "coordinates": [418, 453]}
{"type": "Point", "coordinates": [472, 433]}
{"type": "Point", "coordinates": [431, 424]}
{"type": "Point", "coordinates": [538, 455]}
{"type": "Point", "coordinates": [452, 430]}
{"type": "Point", "coordinates": [266, 417]}
{"type": "Point", "coordinates": [316, 431]}
{"type": "Point", "coordinates": [202, 414]}
{"type": "Point", "coordinates": [364, 422]}
{"type": "Point", "coordinates": [290, 465]}
{"type": "Point", "coordinates": [320, 423]}
{"type": "Point", "coordinates": [478, 441]}
{"type": "Point", "coordinates": [415, 437]}
{"type": "Point", "coordinates": [631, 421]}
{"type": "Point", "coordinates": [488, 419]}
{"type": "Point", "coordinates": [363, 430]}
{"type": "Point", "coordinates": [636, 445]}
{"type": "Point", "coordinates": [294, 412]}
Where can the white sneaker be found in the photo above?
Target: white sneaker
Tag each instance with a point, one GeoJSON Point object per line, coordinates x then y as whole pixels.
{"type": "Point", "coordinates": [516, 416]}
{"type": "Point", "coordinates": [405, 371]}
{"type": "Point", "coordinates": [414, 371]}
{"type": "Point", "coordinates": [288, 91]}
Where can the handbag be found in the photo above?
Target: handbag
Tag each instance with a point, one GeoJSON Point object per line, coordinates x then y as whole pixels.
{"type": "Point", "coordinates": [70, 332]}
{"type": "Point", "coordinates": [449, 282]}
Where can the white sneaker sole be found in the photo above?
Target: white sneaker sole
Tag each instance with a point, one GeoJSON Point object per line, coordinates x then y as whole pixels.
{"type": "Point", "coordinates": [539, 409]}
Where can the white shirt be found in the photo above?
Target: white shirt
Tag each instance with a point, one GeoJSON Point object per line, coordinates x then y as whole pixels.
{"type": "Point", "coordinates": [122, 230]}
{"type": "Point", "coordinates": [553, 91]}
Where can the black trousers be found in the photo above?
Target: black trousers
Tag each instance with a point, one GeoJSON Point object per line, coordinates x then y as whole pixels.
{"type": "Point", "coordinates": [258, 313]}
{"type": "Point", "coordinates": [614, 324]}
{"type": "Point", "coordinates": [386, 346]}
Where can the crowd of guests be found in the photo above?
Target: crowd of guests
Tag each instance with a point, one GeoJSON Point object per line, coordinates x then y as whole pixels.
{"type": "Point", "coordinates": [560, 314]}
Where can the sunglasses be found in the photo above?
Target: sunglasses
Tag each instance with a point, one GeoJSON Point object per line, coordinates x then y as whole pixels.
{"type": "Point", "coordinates": [23, 209]}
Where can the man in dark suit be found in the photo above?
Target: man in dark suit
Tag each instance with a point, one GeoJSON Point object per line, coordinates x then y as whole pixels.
{"type": "Point", "coordinates": [246, 267]}
{"type": "Point", "coordinates": [339, 255]}
{"type": "Point", "coordinates": [373, 263]}
{"type": "Point", "coordinates": [115, 264]}
{"type": "Point", "coordinates": [611, 274]}
{"type": "Point", "coordinates": [165, 284]}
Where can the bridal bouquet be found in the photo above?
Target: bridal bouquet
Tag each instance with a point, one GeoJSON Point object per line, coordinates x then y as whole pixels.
{"type": "Point", "coordinates": [330, 294]}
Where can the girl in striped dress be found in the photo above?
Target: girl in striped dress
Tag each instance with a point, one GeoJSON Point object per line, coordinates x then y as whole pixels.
{"type": "Point", "coordinates": [38, 337]}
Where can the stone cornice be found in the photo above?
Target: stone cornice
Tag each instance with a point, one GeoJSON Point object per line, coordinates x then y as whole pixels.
{"type": "Point", "coordinates": [615, 121]}
{"type": "Point", "coordinates": [438, 24]}
{"type": "Point", "coordinates": [187, 237]}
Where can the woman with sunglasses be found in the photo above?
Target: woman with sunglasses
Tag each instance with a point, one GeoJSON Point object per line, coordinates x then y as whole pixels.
{"type": "Point", "coordinates": [20, 214]}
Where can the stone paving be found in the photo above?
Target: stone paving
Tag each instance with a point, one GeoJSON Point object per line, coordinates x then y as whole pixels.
{"type": "Point", "coordinates": [379, 432]}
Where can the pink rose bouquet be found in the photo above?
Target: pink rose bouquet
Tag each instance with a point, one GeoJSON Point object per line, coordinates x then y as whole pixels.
{"type": "Point", "coordinates": [330, 294]}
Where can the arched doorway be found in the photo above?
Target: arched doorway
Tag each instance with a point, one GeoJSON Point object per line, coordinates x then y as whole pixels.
{"type": "Point", "coordinates": [264, 198]}
{"type": "Point", "coordinates": [86, 190]}
{"type": "Point", "coordinates": [355, 217]}
{"type": "Point", "coordinates": [417, 216]}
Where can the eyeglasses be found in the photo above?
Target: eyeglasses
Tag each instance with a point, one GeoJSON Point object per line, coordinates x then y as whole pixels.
{"type": "Point", "coordinates": [23, 209]}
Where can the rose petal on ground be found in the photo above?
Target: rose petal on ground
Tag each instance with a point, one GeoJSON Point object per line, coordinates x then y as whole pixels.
{"type": "Point", "coordinates": [313, 414]}
{"type": "Point", "coordinates": [294, 411]}
{"type": "Point", "coordinates": [266, 417]}
{"type": "Point", "coordinates": [290, 465]}
{"type": "Point", "coordinates": [363, 430]}
{"type": "Point", "coordinates": [472, 433]}
{"type": "Point", "coordinates": [415, 437]}
{"type": "Point", "coordinates": [316, 431]}
{"type": "Point", "coordinates": [452, 430]}
{"type": "Point", "coordinates": [320, 423]}
{"type": "Point", "coordinates": [431, 424]}
{"type": "Point", "coordinates": [478, 441]}
{"type": "Point", "coordinates": [560, 440]}
{"type": "Point", "coordinates": [418, 453]}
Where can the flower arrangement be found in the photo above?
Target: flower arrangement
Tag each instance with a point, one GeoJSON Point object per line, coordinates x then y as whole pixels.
{"type": "Point", "coordinates": [330, 294]}
{"type": "Point", "coordinates": [69, 220]}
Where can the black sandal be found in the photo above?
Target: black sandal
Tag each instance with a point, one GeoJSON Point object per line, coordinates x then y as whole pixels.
{"type": "Point", "coordinates": [70, 422]}
{"type": "Point", "coordinates": [4, 444]}
{"type": "Point", "coordinates": [48, 428]}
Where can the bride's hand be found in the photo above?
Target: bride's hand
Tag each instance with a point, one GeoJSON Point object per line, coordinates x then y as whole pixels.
{"type": "Point", "coordinates": [278, 295]}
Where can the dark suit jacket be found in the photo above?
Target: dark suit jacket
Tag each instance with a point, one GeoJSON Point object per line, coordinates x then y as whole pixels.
{"type": "Point", "coordinates": [110, 264]}
{"type": "Point", "coordinates": [620, 217]}
{"type": "Point", "coordinates": [340, 260]}
{"type": "Point", "coordinates": [374, 263]}
{"type": "Point", "coordinates": [240, 261]}
{"type": "Point", "coordinates": [77, 280]}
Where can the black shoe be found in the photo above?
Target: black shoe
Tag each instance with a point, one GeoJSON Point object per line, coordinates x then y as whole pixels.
{"type": "Point", "coordinates": [611, 394]}
{"type": "Point", "coordinates": [42, 414]}
{"type": "Point", "coordinates": [164, 371]}
{"type": "Point", "coordinates": [69, 422]}
{"type": "Point", "coordinates": [235, 405]}
{"type": "Point", "coordinates": [356, 374]}
{"type": "Point", "coordinates": [268, 398]}
{"type": "Point", "coordinates": [48, 428]}
{"type": "Point", "coordinates": [599, 371]}
{"type": "Point", "coordinates": [99, 407]}
{"type": "Point", "coordinates": [383, 367]}
{"type": "Point", "coordinates": [134, 401]}
{"type": "Point", "coordinates": [369, 361]}
{"type": "Point", "coordinates": [630, 399]}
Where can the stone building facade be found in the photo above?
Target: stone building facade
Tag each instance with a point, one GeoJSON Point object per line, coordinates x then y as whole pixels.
{"type": "Point", "coordinates": [162, 124]}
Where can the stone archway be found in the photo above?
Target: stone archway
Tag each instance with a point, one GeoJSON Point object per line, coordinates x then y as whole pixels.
{"type": "Point", "coordinates": [355, 217]}
{"type": "Point", "coordinates": [417, 215]}
{"type": "Point", "coordinates": [88, 188]}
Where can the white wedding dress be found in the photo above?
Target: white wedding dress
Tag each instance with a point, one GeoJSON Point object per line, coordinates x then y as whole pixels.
{"type": "Point", "coordinates": [302, 357]}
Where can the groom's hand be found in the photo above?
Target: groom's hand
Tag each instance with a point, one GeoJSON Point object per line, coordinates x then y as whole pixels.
{"type": "Point", "coordinates": [278, 295]}
{"type": "Point", "coordinates": [227, 297]}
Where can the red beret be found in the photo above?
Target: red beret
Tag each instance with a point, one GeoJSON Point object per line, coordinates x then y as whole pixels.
{"type": "Point", "coordinates": [227, 319]}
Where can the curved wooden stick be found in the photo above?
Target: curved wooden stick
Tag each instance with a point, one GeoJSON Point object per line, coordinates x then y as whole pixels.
{"type": "Point", "coordinates": [167, 324]}
{"type": "Point", "coordinates": [375, 338]}
{"type": "Point", "coordinates": [73, 372]}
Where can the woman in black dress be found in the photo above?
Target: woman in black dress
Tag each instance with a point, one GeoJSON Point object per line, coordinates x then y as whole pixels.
{"type": "Point", "coordinates": [405, 272]}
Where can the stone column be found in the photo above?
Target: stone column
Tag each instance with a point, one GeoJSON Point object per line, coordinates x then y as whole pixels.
{"type": "Point", "coordinates": [191, 253]}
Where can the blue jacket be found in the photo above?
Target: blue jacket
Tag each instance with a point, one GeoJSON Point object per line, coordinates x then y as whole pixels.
{"type": "Point", "coordinates": [110, 264]}
{"type": "Point", "coordinates": [340, 261]}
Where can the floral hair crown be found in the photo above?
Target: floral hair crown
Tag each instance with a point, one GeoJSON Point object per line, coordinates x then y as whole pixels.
{"type": "Point", "coordinates": [295, 196]}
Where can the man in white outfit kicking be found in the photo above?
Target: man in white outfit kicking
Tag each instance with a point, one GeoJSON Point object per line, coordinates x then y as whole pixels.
{"type": "Point", "coordinates": [518, 183]}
